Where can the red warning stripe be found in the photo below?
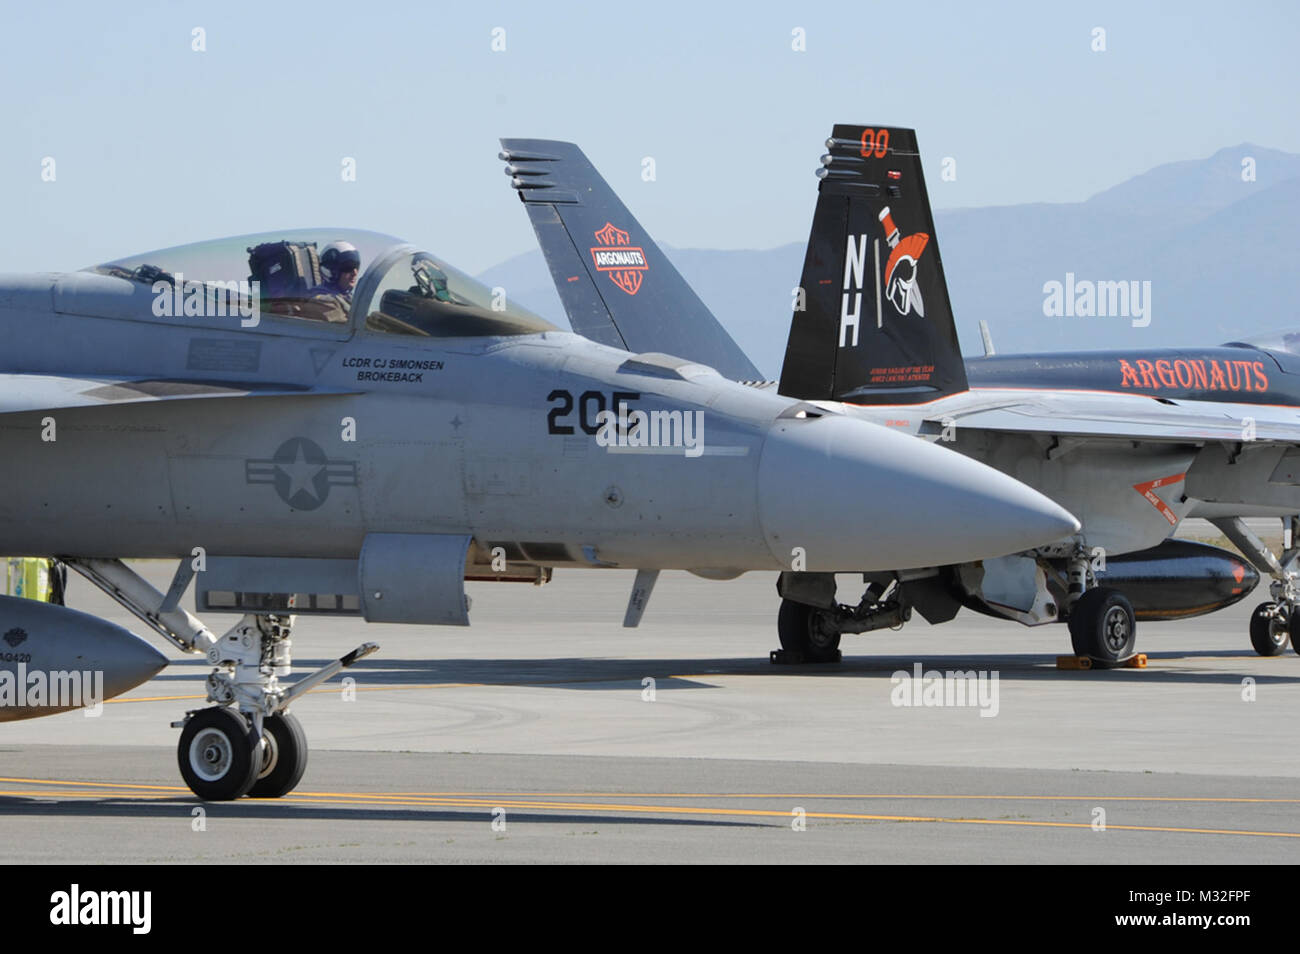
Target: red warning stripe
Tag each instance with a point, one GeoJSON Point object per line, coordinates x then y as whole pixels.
{"type": "Point", "coordinates": [1148, 489]}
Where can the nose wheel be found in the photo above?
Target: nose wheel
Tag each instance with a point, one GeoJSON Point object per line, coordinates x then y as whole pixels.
{"type": "Point", "coordinates": [1102, 626]}
{"type": "Point", "coordinates": [283, 757]}
{"type": "Point", "coordinates": [805, 631]}
{"type": "Point", "coordinates": [216, 754]}
{"type": "Point", "coordinates": [1270, 628]}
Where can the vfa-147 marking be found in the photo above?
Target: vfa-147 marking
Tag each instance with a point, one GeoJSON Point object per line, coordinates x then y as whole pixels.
{"type": "Point", "coordinates": [619, 259]}
{"type": "Point", "coordinates": [1132, 443]}
{"type": "Point", "coordinates": [342, 423]}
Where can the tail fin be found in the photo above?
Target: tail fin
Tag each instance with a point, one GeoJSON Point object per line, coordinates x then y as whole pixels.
{"type": "Point", "coordinates": [616, 286]}
{"type": "Point", "coordinates": [877, 326]}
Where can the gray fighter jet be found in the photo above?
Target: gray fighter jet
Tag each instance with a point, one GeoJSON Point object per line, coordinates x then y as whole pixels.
{"type": "Point", "coordinates": [334, 422]}
{"type": "Point", "coordinates": [1130, 442]}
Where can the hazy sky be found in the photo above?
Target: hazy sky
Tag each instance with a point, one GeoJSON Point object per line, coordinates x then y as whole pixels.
{"type": "Point", "coordinates": [156, 144]}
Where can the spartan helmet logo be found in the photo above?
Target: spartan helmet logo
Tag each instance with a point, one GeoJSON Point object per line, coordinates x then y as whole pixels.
{"type": "Point", "coordinates": [902, 286]}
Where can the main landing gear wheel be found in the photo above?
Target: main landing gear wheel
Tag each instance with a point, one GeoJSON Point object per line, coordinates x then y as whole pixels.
{"type": "Point", "coordinates": [1268, 634]}
{"type": "Point", "coordinates": [801, 630]}
{"type": "Point", "coordinates": [216, 755]}
{"type": "Point", "coordinates": [284, 757]}
{"type": "Point", "coordinates": [1102, 626]}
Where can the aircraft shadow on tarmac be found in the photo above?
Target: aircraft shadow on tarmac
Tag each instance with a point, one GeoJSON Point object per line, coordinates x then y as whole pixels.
{"type": "Point", "coordinates": [580, 673]}
{"type": "Point", "coordinates": [278, 811]}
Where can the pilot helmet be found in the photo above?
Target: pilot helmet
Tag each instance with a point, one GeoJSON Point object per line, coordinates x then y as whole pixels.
{"type": "Point", "coordinates": [337, 258]}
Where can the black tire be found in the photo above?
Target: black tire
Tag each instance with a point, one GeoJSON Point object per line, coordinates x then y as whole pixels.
{"type": "Point", "coordinates": [1102, 626]}
{"type": "Point", "coordinates": [799, 627]}
{"type": "Point", "coordinates": [215, 755]}
{"type": "Point", "coordinates": [1268, 638]}
{"type": "Point", "coordinates": [284, 757]}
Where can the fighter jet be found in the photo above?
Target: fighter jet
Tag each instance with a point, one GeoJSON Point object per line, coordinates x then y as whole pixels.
{"type": "Point", "coordinates": [1130, 442]}
{"type": "Point", "coordinates": [335, 422]}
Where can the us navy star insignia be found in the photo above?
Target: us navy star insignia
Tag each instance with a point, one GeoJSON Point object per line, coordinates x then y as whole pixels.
{"type": "Point", "coordinates": [301, 472]}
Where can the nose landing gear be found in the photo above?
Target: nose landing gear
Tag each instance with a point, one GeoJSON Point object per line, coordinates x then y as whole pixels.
{"type": "Point", "coordinates": [248, 743]}
{"type": "Point", "coordinates": [1278, 620]}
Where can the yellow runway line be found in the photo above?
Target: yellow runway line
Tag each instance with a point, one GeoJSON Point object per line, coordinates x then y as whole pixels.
{"type": "Point", "coordinates": [427, 685]}
{"type": "Point", "coordinates": [795, 796]}
{"type": "Point", "coordinates": [490, 801]}
{"type": "Point", "coordinates": [806, 796]}
{"type": "Point", "coordinates": [717, 811]}
{"type": "Point", "coordinates": [160, 789]}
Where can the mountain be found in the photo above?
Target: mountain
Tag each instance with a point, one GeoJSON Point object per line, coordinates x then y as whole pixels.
{"type": "Point", "coordinates": [1220, 254]}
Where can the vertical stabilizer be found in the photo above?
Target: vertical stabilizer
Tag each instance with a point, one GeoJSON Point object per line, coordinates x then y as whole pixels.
{"type": "Point", "coordinates": [876, 325]}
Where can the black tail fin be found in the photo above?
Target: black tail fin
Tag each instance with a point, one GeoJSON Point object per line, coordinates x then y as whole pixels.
{"type": "Point", "coordinates": [877, 326]}
{"type": "Point", "coordinates": [616, 286]}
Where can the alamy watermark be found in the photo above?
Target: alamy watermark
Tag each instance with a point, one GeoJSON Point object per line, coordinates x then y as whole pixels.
{"type": "Point", "coordinates": [78, 907]}
{"type": "Point", "coordinates": [179, 298]}
{"type": "Point", "coordinates": [935, 689]}
{"type": "Point", "coordinates": [1084, 298]}
{"type": "Point", "coordinates": [634, 431]}
{"type": "Point", "coordinates": [52, 689]}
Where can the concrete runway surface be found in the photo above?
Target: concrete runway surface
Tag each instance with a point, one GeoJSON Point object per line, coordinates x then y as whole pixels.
{"type": "Point", "coordinates": [536, 735]}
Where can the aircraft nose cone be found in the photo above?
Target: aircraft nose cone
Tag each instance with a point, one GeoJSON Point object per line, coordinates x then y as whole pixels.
{"type": "Point", "coordinates": [856, 496]}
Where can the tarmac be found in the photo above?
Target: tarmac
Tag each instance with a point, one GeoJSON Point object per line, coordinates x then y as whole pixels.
{"type": "Point", "coordinates": [545, 732]}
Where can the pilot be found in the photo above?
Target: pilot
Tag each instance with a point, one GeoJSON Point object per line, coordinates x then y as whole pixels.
{"type": "Point", "coordinates": [340, 262]}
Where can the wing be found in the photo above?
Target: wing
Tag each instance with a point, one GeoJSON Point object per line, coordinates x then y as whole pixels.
{"type": "Point", "coordinates": [43, 392]}
{"type": "Point", "coordinates": [1247, 464]}
{"type": "Point", "coordinates": [1123, 417]}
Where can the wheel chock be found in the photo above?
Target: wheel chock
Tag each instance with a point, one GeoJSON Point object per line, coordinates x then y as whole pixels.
{"type": "Point", "coordinates": [1136, 661]}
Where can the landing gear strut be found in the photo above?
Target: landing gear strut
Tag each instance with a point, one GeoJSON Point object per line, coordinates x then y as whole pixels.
{"type": "Point", "coordinates": [248, 743]}
{"type": "Point", "coordinates": [811, 621]}
{"type": "Point", "coordinates": [1101, 620]}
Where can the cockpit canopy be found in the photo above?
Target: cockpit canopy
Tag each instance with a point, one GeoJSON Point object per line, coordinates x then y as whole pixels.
{"type": "Point", "coordinates": [400, 290]}
{"type": "Point", "coordinates": [1284, 341]}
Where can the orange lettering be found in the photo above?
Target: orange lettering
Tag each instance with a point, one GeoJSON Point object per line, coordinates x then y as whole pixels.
{"type": "Point", "coordinates": [1261, 378]}
{"type": "Point", "coordinates": [1216, 377]}
{"type": "Point", "coordinates": [1183, 370]}
{"type": "Point", "coordinates": [1166, 373]}
{"type": "Point", "coordinates": [1128, 377]}
{"type": "Point", "coordinates": [1148, 375]}
{"type": "Point", "coordinates": [1245, 374]}
{"type": "Point", "coordinates": [1198, 375]}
